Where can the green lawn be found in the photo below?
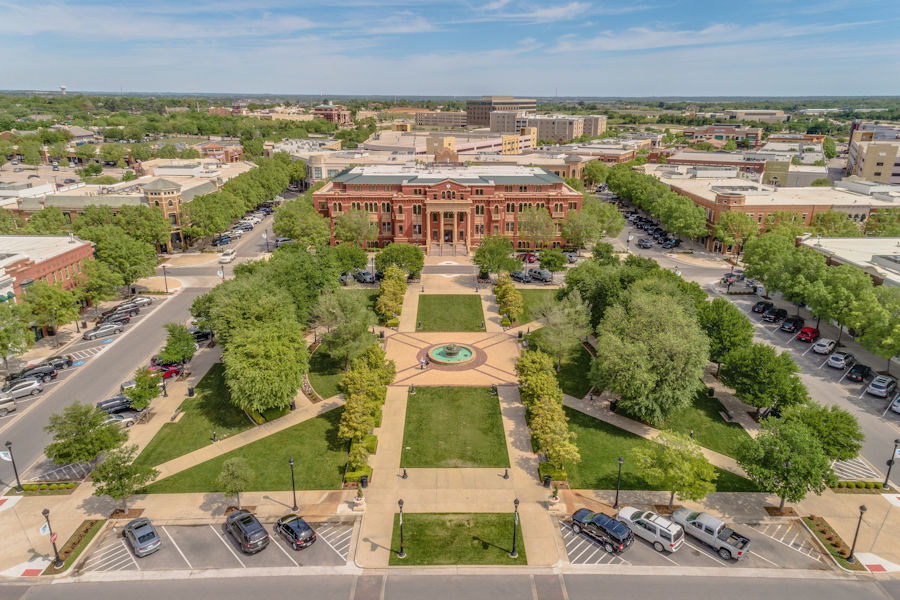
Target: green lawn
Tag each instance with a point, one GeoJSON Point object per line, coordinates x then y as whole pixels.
{"type": "Point", "coordinates": [325, 373]}
{"type": "Point", "coordinates": [314, 445]}
{"type": "Point", "coordinates": [457, 539]}
{"type": "Point", "coordinates": [453, 427]}
{"type": "Point", "coordinates": [532, 300]}
{"type": "Point", "coordinates": [600, 444]}
{"type": "Point", "coordinates": [449, 312]}
{"type": "Point", "coordinates": [573, 373]}
{"type": "Point", "coordinates": [710, 431]}
{"type": "Point", "coordinates": [209, 410]}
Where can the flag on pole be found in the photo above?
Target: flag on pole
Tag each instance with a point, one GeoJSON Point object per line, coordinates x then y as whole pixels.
{"type": "Point", "coordinates": [45, 529]}
{"type": "Point", "coordinates": [5, 456]}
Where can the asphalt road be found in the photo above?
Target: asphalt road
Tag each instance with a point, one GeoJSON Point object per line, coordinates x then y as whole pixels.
{"type": "Point", "coordinates": [470, 587]}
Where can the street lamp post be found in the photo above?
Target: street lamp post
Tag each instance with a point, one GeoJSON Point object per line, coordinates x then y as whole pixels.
{"type": "Point", "coordinates": [402, 553]}
{"type": "Point", "coordinates": [15, 470]}
{"type": "Point", "coordinates": [618, 482]}
{"type": "Point", "coordinates": [515, 554]}
{"type": "Point", "coordinates": [293, 486]}
{"type": "Point", "coordinates": [58, 563]}
{"type": "Point", "coordinates": [165, 391]}
{"type": "Point", "coordinates": [165, 279]}
{"type": "Point", "coordinates": [885, 485]}
{"type": "Point", "coordinates": [265, 236]}
{"type": "Point", "coordinates": [862, 510]}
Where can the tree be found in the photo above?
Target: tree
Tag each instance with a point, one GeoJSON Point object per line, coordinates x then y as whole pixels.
{"type": "Point", "coordinates": [81, 434]}
{"type": "Point", "coordinates": [550, 428]}
{"type": "Point", "coordinates": [119, 478]}
{"type": "Point", "coordinates": [393, 290]}
{"type": "Point", "coordinates": [797, 274]}
{"type": "Point", "coordinates": [682, 216]}
{"type": "Point", "coordinates": [146, 388]}
{"type": "Point", "coordinates": [834, 296]}
{"type": "Point", "coordinates": [595, 220]}
{"type": "Point", "coordinates": [90, 169]}
{"type": "Point", "coordinates": [167, 150]}
{"type": "Point", "coordinates": [94, 215]}
{"type": "Point", "coordinates": [764, 256]}
{"type": "Point", "coordinates": [677, 464]}
{"type": "Point", "coordinates": [9, 222]}
{"type": "Point", "coordinates": [763, 378]}
{"type": "Point", "coordinates": [348, 257]}
{"type": "Point", "coordinates": [785, 459]}
{"type": "Point", "coordinates": [47, 221]}
{"type": "Point", "coordinates": [884, 222]}
{"type": "Point", "coordinates": [112, 152]}
{"type": "Point", "coordinates": [730, 146]}
{"type": "Point", "coordinates": [15, 333]}
{"type": "Point", "coordinates": [726, 327]}
{"type": "Point", "coordinates": [50, 305]}
{"type": "Point", "coordinates": [97, 282]}
{"type": "Point", "coordinates": [494, 256]}
{"type": "Point", "coordinates": [603, 254]}
{"type": "Point", "coordinates": [786, 223]}
{"type": "Point", "coordinates": [299, 221]}
{"type": "Point", "coordinates": [595, 172]}
{"type": "Point", "coordinates": [654, 374]}
{"type": "Point", "coordinates": [180, 344]}
{"type": "Point", "coordinates": [565, 323]}
{"type": "Point", "coordinates": [552, 259]}
{"type": "Point", "coordinates": [829, 148]}
{"type": "Point", "coordinates": [733, 229]}
{"type": "Point", "coordinates": [235, 477]}
{"type": "Point", "coordinates": [836, 430]}
{"type": "Point", "coordinates": [408, 257]}
{"type": "Point", "coordinates": [579, 228]}
{"type": "Point", "coordinates": [357, 418]}
{"type": "Point", "coordinates": [835, 223]}
{"type": "Point", "coordinates": [346, 319]}
{"type": "Point", "coordinates": [354, 227]}
{"type": "Point", "coordinates": [509, 298]}
{"type": "Point", "coordinates": [881, 328]}
{"type": "Point", "coordinates": [265, 364]}
{"type": "Point", "coordinates": [598, 285]}
{"type": "Point", "coordinates": [536, 226]}
{"type": "Point", "coordinates": [130, 258]}
{"type": "Point", "coordinates": [144, 223]}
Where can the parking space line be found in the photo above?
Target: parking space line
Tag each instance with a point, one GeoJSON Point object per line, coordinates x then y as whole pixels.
{"type": "Point", "coordinates": [120, 565]}
{"type": "Point", "coordinates": [583, 551]}
{"type": "Point", "coordinates": [290, 558]}
{"type": "Point", "coordinates": [586, 560]}
{"type": "Point", "coordinates": [130, 555]}
{"type": "Point", "coordinates": [228, 545]}
{"type": "Point", "coordinates": [860, 397]}
{"type": "Point", "coordinates": [777, 529]}
{"type": "Point", "coordinates": [764, 558]}
{"type": "Point", "coordinates": [664, 554]}
{"type": "Point", "coordinates": [704, 552]}
{"type": "Point", "coordinates": [171, 539]}
{"type": "Point", "coordinates": [325, 539]}
{"type": "Point", "coordinates": [791, 543]}
{"type": "Point", "coordinates": [578, 545]}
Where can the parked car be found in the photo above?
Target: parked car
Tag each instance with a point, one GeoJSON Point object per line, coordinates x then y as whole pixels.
{"type": "Point", "coordinates": [167, 371]}
{"type": "Point", "coordinates": [762, 306]}
{"type": "Point", "coordinates": [364, 277]}
{"type": "Point", "coordinates": [243, 226]}
{"type": "Point", "coordinates": [227, 256]}
{"type": "Point", "coordinates": [808, 334]}
{"type": "Point", "coordinates": [882, 386]}
{"type": "Point", "coordinates": [571, 257]}
{"type": "Point", "coordinates": [60, 362]}
{"type": "Point", "coordinates": [670, 243]}
{"type": "Point", "coordinates": [221, 241]}
{"type": "Point", "coordinates": [295, 531]}
{"type": "Point", "coordinates": [520, 276]}
{"type": "Point", "coordinates": [824, 346]}
{"type": "Point", "coordinates": [540, 275]}
{"type": "Point", "coordinates": [859, 373]}
{"type": "Point", "coordinates": [773, 315]}
{"type": "Point", "coordinates": [251, 219]}
{"type": "Point", "coordinates": [345, 278]}
{"type": "Point", "coordinates": [713, 532]}
{"type": "Point", "coordinates": [841, 360]}
{"type": "Point", "coordinates": [613, 535]}
{"type": "Point", "coordinates": [792, 324]}
{"type": "Point", "coordinates": [201, 336]}
{"type": "Point", "coordinates": [281, 241]}
{"type": "Point", "coordinates": [247, 531]}
{"type": "Point", "coordinates": [529, 257]}
{"type": "Point", "coordinates": [143, 538]}
{"type": "Point", "coordinates": [140, 301]}
{"type": "Point", "coordinates": [123, 308]}
{"type": "Point", "coordinates": [895, 405]}
{"type": "Point", "coordinates": [22, 388]}
{"type": "Point", "coordinates": [102, 330]}
{"type": "Point", "coordinates": [125, 418]}
{"type": "Point", "coordinates": [235, 233]}
{"type": "Point", "coordinates": [43, 372]}
{"type": "Point", "coordinates": [662, 533]}
{"type": "Point", "coordinates": [121, 318]}
{"type": "Point", "coordinates": [7, 404]}
{"type": "Point", "coordinates": [645, 243]}
{"type": "Point", "coordinates": [115, 404]}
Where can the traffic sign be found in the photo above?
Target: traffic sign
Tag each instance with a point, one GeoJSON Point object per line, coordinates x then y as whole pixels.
{"type": "Point", "coordinates": [5, 456]}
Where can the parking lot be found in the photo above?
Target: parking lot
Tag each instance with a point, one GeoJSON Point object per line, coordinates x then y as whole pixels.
{"type": "Point", "coordinates": [210, 547]}
{"type": "Point", "coordinates": [785, 544]}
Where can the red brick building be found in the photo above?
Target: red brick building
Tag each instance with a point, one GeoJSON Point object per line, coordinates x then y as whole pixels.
{"type": "Point", "coordinates": [447, 207]}
{"type": "Point", "coordinates": [52, 259]}
{"type": "Point", "coordinates": [223, 151]}
{"type": "Point", "coordinates": [751, 135]}
{"type": "Point", "coordinates": [332, 112]}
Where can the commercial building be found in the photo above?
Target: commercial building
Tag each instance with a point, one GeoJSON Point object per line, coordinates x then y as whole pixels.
{"type": "Point", "coordinates": [423, 142]}
{"type": "Point", "coordinates": [724, 133]}
{"type": "Point", "coordinates": [875, 160]}
{"type": "Point", "coordinates": [763, 116]}
{"type": "Point", "coordinates": [478, 112]}
{"type": "Point", "coordinates": [717, 195]}
{"type": "Point", "coordinates": [223, 151]}
{"type": "Point", "coordinates": [78, 135]}
{"type": "Point", "coordinates": [607, 151]}
{"type": "Point", "coordinates": [744, 162]}
{"type": "Point", "coordinates": [53, 259]}
{"type": "Point", "coordinates": [334, 113]}
{"type": "Point", "coordinates": [437, 118]}
{"type": "Point", "coordinates": [446, 208]}
{"type": "Point", "coordinates": [879, 256]}
{"type": "Point", "coordinates": [558, 128]}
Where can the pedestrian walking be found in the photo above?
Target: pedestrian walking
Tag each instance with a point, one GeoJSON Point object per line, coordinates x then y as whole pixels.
{"type": "Point", "coordinates": [421, 363]}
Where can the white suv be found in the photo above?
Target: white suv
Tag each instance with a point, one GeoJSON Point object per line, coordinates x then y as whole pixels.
{"type": "Point", "coordinates": [659, 531]}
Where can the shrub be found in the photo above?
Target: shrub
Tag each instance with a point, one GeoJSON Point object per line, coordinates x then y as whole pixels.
{"type": "Point", "coordinates": [43, 486]}
{"type": "Point", "coordinates": [70, 485]}
{"type": "Point", "coordinates": [505, 321]}
{"type": "Point", "coordinates": [53, 486]}
{"type": "Point", "coordinates": [546, 468]}
{"type": "Point", "coordinates": [378, 416]}
{"type": "Point", "coordinates": [842, 484]}
{"type": "Point", "coordinates": [30, 487]}
{"type": "Point", "coordinates": [870, 485]}
{"type": "Point", "coordinates": [354, 476]}
{"type": "Point", "coordinates": [371, 443]}
{"type": "Point", "coordinates": [393, 322]}
{"type": "Point", "coordinates": [257, 418]}
{"type": "Point", "coordinates": [851, 485]}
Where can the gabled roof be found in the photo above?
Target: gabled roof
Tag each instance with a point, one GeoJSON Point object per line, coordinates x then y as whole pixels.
{"type": "Point", "coordinates": [161, 185]}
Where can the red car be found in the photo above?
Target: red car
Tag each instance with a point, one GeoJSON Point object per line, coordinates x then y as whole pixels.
{"type": "Point", "coordinates": [166, 371]}
{"type": "Point", "coordinates": [529, 257]}
{"type": "Point", "coordinates": [808, 334]}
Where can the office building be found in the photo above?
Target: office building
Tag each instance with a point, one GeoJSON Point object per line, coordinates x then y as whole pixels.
{"type": "Point", "coordinates": [750, 136]}
{"type": "Point", "coordinates": [478, 112]}
{"type": "Point", "coordinates": [556, 128]}
{"type": "Point", "coordinates": [437, 118]}
{"type": "Point", "coordinates": [334, 113]}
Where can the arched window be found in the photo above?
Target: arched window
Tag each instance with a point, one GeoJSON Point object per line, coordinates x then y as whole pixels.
{"type": "Point", "coordinates": [496, 210]}
{"type": "Point", "coordinates": [399, 209]}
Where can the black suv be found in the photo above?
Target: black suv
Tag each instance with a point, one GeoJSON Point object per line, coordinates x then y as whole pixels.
{"type": "Point", "coordinates": [43, 372]}
{"type": "Point", "coordinates": [792, 324]}
{"type": "Point", "coordinates": [247, 531]}
{"type": "Point", "coordinates": [773, 315]}
{"type": "Point", "coordinates": [129, 309]}
{"type": "Point", "coordinates": [115, 405]}
{"type": "Point", "coordinates": [762, 306]}
{"type": "Point", "coordinates": [63, 361]}
{"type": "Point", "coordinates": [615, 536]}
{"type": "Point", "coordinates": [295, 531]}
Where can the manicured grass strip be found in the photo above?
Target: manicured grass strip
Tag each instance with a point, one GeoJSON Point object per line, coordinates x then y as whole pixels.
{"type": "Point", "coordinates": [840, 558]}
{"type": "Point", "coordinates": [72, 549]}
{"type": "Point", "coordinates": [209, 410]}
{"type": "Point", "coordinates": [533, 299]}
{"type": "Point", "coordinates": [453, 427]}
{"type": "Point", "coordinates": [318, 452]}
{"type": "Point", "coordinates": [450, 312]}
{"type": "Point", "coordinates": [710, 431]}
{"type": "Point", "coordinates": [574, 367]}
{"type": "Point", "coordinates": [601, 444]}
{"type": "Point", "coordinates": [324, 373]}
{"type": "Point", "coordinates": [457, 539]}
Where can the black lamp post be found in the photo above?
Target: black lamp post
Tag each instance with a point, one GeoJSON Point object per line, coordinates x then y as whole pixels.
{"type": "Point", "coordinates": [165, 391]}
{"type": "Point", "coordinates": [265, 236]}
{"type": "Point", "coordinates": [58, 563]}
{"type": "Point", "coordinates": [885, 485]}
{"type": "Point", "coordinates": [293, 487]}
{"type": "Point", "coordinates": [618, 482]}
{"type": "Point", "coordinates": [515, 554]}
{"type": "Point", "coordinates": [165, 279]}
{"type": "Point", "coordinates": [862, 510]}
{"type": "Point", "coordinates": [15, 470]}
{"type": "Point", "coordinates": [402, 553]}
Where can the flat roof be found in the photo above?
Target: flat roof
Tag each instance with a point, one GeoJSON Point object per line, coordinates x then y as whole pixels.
{"type": "Point", "coordinates": [428, 175]}
{"type": "Point", "coordinates": [38, 247]}
{"type": "Point", "coordinates": [877, 256]}
{"type": "Point", "coordinates": [722, 157]}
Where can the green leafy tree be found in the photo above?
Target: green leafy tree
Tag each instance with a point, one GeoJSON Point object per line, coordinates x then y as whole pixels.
{"type": "Point", "coordinates": [532, 362]}
{"type": "Point", "coordinates": [495, 255]}
{"type": "Point", "coordinates": [144, 223]}
{"type": "Point", "coordinates": [50, 305]}
{"type": "Point", "coordinates": [9, 222]}
{"type": "Point", "coordinates": [167, 151]}
{"type": "Point", "coordinates": [881, 329]}
{"type": "Point", "coordinates": [682, 216]}
{"type": "Point", "coordinates": [392, 292]}
{"type": "Point", "coordinates": [884, 222]}
{"type": "Point", "coordinates": [603, 254]}
{"type": "Point", "coordinates": [552, 259]}
{"type": "Point", "coordinates": [734, 228]}
{"type": "Point", "coordinates": [726, 327]}
{"type": "Point", "coordinates": [676, 464]}
{"type": "Point", "coordinates": [536, 226]}
{"type": "Point", "coordinates": [86, 153]}
{"type": "Point", "coordinates": [595, 172]}
{"type": "Point", "coordinates": [299, 221]}
{"type": "Point", "coordinates": [835, 223]}
{"type": "Point", "coordinates": [357, 418]}
{"type": "Point", "coordinates": [764, 256]}
{"type": "Point", "coordinates": [81, 434]}
{"type": "Point", "coordinates": [763, 378]}
{"type": "Point", "coordinates": [94, 215]}
{"type": "Point", "coordinates": [408, 257]}
{"type": "Point", "coordinates": [354, 227]}
{"type": "Point", "coordinates": [598, 285]}
{"type": "Point", "coordinates": [836, 430]}
{"type": "Point", "coordinates": [786, 223]}
{"type": "Point", "coordinates": [180, 345]}
{"type": "Point", "coordinates": [207, 216]}
{"type": "Point", "coordinates": [346, 319]}
{"type": "Point", "coordinates": [246, 302]}
{"type": "Point", "coordinates": [565, 323]}
{"type": "Point", "coordinates": [836, 295]}
{"type": "Point", "coordinates": [16, 335]}
{"type": "Point", "coordinates": [146, 388]}
{"type": "Point", "coordinates": [829, 148]}
{"type": "Point", "coordinates": [730, 146]}
{"type": "Point", "coordinates": [785, 459]}
{"type": "Point", "coordinates": [797, 275]}
{"type": "Point", "coordinates": [130, 258]}
{"type": "Point", "coordinates": [509, 298]}
{"type": "Point", "coordinates": [97, 282]}
{"type": "Point", "coordinates": [47, 221]}
{"type": "Point", "coordinates": [119, 478]}
{"type": "Point", "coordinates": [112, 152]}
{"type": "Point", "coordinates": [235, 477]}
{"type": "Point", "coordinates": [349, 257]}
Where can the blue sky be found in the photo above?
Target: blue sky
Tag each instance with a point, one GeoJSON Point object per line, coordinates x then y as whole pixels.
{"type": "Point", "coordinates": [466, 48]}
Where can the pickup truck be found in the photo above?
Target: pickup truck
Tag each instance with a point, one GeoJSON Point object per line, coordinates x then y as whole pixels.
{"type": "Point", "coordinates": [713, 532]}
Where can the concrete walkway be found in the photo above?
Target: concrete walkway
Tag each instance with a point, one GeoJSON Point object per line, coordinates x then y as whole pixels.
{"type": "Point", "coordinates": [492, 317]}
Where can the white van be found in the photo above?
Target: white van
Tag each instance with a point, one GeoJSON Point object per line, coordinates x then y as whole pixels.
{"type": "Point", "coordinates": [662, 533]}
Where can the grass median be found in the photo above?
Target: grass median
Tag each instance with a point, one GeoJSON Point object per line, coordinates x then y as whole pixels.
{"type": "Point", "coordinates": [449, 312]}
{"type": "Point", "coordinates": [457, 539]}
